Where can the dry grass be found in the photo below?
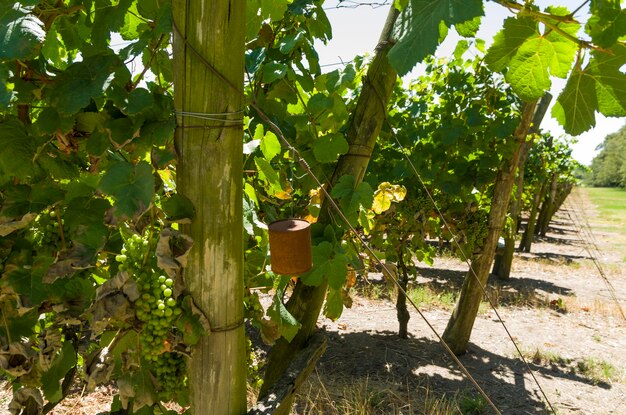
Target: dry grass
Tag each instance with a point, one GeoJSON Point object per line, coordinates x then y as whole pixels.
{"type": "Point", "coordinates": [370, 397]}
{"type": "Point", "coordinates": [598, 307]}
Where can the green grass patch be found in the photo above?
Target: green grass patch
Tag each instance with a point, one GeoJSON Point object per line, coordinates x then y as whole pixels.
{"type": "Point", "coordinates": [598, 370]}
{"type": "Point", "coordinates": [595, 370]}
{"type": "Point", "coordinates": [611, 203]}
{"type": "Point", "coordinates": [424, 296]}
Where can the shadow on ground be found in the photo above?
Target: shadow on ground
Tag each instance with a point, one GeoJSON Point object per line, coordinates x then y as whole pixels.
{"type": "Point", "coordinates": [551, 258]}
{"type": "Point", "coordinates": [383, 357]}
{"type": "Point", "coordinates": [445, 280]}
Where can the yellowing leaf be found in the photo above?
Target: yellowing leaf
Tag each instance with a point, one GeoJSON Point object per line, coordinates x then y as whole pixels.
{"type": "Point", "coordinates": [283, 194]}
{"type": "Point", "coordinates": [350, 278]}
{"type": "Point", "coordinates": [315, 204]}
{"type": "Point", "coordinates": [385, 195]}
{"type": "Point", "coordinates": [310, 219]}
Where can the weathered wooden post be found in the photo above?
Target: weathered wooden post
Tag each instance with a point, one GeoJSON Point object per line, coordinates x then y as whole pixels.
{"type": "Point", "coordinates": [209, 68]}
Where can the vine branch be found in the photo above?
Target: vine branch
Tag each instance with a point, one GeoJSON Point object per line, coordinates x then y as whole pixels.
{"type": "Point", "coordinates": [147, 66]}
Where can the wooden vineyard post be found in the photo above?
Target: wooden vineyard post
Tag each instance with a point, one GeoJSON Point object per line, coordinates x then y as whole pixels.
{"type": "Point", "coordinates": [459, 328]}
{"type": "Point", "coordinates": [211, 34]}
{"type": "Point", "coordinates": [504, 259]}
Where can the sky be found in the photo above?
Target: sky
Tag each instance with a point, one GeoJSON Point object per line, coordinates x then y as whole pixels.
{"type": "Point", "coordinates": [356, 32]}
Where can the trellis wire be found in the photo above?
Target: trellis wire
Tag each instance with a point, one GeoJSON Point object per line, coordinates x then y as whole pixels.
{"type": "Point", "coordinates": [334, 205]}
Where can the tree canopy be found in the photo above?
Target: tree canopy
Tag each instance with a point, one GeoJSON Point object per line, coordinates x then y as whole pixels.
{"type": "Point", "coordinates": [608, 168]}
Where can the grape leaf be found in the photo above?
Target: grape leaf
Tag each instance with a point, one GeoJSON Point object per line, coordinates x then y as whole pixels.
{"type": "Point", "coordinates": [17, 149]}
{"type": "Point", "coordinates": [529, 57]}
{"type": "Point", "coordinates": [333, 307]}
{"type": "Point", "coordinates": [81, 82]}
{"type": "Point", "coordinates": [132, 22]}
{"type": "Point", "coordinates": [419, 26]}
{"type": "Point", "coordinates": [461, 47]}
{"type": "Point", "coordinates": [269, 175]}
{"type": "Point", "coordinates": [49, 121]}
{"type": "Point", "coordinates": [329, 147]}
{"type": "Point", "coordinates": [137, 387]}
{"type": "Point", "coordinates": [290, 41]}
{"type": "Point", "coordinates": [273, 71]}
{"type": "Point", "coordinates": [327, 263]}
{"type": "Point", "coordinates": [43, 194]}
{"type": "Point", "coordinates": [179, 208]}
{"type": "Point", "coordinates": [9, 225]}
{"type": "Point", "coordinates": [469, 28]}
{"type": "Point", "coordinates": [319, 103]}
{"type": "Point", "coordinates": [51, 378]}
{"type": "Point", "coordinates": [120, 130]}
{"type": "Point", "coordinates": [251, 221]}
{"type": "Point", "coordinates": [98, 143]}
{"type": "Point", "coordinates": [29, 282]}
{"type": "Point", "coordinates": [132, 186]}
{"type": "Point", "coordinates": [385, 194]}
{"type": "Point", "coordinates": [351, 199]}
{"type": "Point", "coordinates": [274, 9]}
{"type": "Point", "coordinates": [506, 43]}
{"type": "Point", "coordinates": [109, 18]}
{"type": "Point", "coordinates": [600, 86]}
{"type": "Point", "coordinates": [607, 23]}
{"type": "Point", "coordinates": [287, 325]}
{"type": "Point", "coordinates": [610, 81]}
{"type": "Point", "coordinates": [84, 220]}
{"type": "Point", "coordinates": [191, 328]}
{"type": "Point", "coordinates": [159, 133]}
{"type": "Point", "coordinates": [139, 100]}
{"type": "Point", "coordinates": [6, 94]}
{"type": "Point", "coordinates": [254, 59]}
{"type": "Point", "coordinates": [21, 33]}
{"type": "Point", "coordinates": [270, 146]}
{"type": "Point", "coordinates": [19, 325]}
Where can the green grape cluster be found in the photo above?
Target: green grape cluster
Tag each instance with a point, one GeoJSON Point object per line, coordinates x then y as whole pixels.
{"type": "Point", "coordinates": [252, 307]}
{"type": "Point", "coordinates": [476, 231]}
{"type": "Point", "coordinates": [254, 365]}
{"type": "Point", "coordinates": [169, 370]}
{"type": "Point", "coordinates": [45, 230]}
{"type": "Point", "coordinates": [421, 203]}
{"type": "Point", "coordinates": [156, 308]}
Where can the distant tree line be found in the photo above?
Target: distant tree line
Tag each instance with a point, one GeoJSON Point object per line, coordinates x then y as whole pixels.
{"type": "Point", "coordinates": [608, 168]}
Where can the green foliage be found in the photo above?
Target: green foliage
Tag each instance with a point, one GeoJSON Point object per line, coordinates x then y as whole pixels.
{"type": "Point", "coordinates": [424, 24]}
{"type": "Point", "coordinates": [597, 87]}
{"type": "Point", "coordinates": [131, 186]}
{"type": "Point", "coordinates": [329, 264]}
{"type": "Point", "coordinates": [352, 198]}
{"type": "Point", "coordinates": [462, 117]}
{"type": "Point", "coordinates": [608, 168]}
{"type": "Point", "coordinates": [529, 56]}
{"type": "Point", "coordinates": [533, 46]}
{"type": "Point", "coordinates": [21, 32]}
{"type": "Point", "coordinates": [287, 325]}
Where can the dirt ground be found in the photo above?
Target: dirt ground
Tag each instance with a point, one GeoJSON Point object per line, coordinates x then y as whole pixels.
{"type": "Point", "coordinates": [560, 312]}
{"type": "Point", "coordinates": [575, 348]}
